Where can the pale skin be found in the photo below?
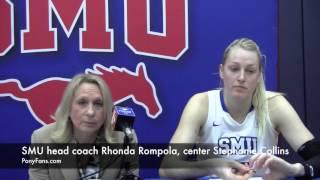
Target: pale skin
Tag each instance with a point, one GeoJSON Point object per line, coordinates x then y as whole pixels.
{"type": "Point", "coordinates": [240, 74]}
{"type": "Point", "coordinates": [87, 114]}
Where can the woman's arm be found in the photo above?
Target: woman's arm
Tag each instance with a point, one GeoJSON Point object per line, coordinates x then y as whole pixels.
{"type": "Point", "coordinates": [287, 122]}
{"type": "Point", "coordinates": [193, 118]}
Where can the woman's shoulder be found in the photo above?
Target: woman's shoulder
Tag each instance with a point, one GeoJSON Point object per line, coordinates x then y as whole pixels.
{"type": "Point", "coordinates": [197, 108]}
{"type": "Point", "coordinates": [46, 128]}
{"type": "Point", "coordinates": [272, 94]}
{"type": "Point", "coordinates": [278, 107]}
{"type": "Point", "coordinates": [43, 133]}
{"type": "Point", "coordinates": [203, 96]}
{"type": "Point", "coordinates": [276, 100]}
{"type": "Point", "coordinates": [200, 99]}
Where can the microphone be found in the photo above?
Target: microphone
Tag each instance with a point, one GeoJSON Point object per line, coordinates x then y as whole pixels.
{"type": "Point", "coordinates": [122, 120]}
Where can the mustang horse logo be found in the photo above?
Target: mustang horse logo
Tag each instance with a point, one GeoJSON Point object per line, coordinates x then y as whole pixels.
{"type": "Point", "coordinates": [43, 97]}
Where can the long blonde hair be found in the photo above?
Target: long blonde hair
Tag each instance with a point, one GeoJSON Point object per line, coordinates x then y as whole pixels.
{"type": "Point", "coordinates": [63, 131]}
{"type": "Point", "coordinates": [259, 100]}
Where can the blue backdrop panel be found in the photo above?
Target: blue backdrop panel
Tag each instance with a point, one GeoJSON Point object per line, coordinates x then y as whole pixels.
{"type": "Point", "coordinates": [144, 70]}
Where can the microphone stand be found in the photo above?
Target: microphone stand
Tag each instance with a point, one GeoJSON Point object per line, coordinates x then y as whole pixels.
{"type": "Point", "coordinates": [126, 142]}
{"type": "Point", "coordinates": [126, 164]}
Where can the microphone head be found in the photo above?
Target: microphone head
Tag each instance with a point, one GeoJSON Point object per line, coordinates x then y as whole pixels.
{"type": "Point", "coordinates": [122, 117]}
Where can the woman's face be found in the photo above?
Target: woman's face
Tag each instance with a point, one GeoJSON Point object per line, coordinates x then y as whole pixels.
{"type": "Point", "coordinates": [240, 73]}
{"type": "Point", "coordinates": [87, 112]}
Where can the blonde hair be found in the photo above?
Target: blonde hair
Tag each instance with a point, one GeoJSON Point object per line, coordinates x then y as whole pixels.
{"type": "Point", "coordinates": [259, 100]}
{"type": "Point", "coordinates": [63, 132]}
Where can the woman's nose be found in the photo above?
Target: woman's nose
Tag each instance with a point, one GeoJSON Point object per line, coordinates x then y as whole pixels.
{"type": "Point", "coordinates": [241, 76]}
{"type": "Point", "coordinates": [90, 110]}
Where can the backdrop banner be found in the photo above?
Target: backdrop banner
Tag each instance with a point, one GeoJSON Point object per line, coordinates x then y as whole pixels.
{"type": "Point", "coordinates": [154, 55]}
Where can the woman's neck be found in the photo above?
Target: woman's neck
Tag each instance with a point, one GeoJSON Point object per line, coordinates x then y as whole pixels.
{"type": "Point", "coordinates": [84, 137]}
{"type": "Point", "coordinates": [238, 108]}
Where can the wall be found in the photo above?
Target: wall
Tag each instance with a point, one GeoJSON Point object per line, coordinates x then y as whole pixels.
{"type": "Point", "coordinates": [298, 69]}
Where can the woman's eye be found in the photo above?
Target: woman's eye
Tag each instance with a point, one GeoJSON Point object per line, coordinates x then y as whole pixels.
{"type": "Point", "coordinates": [99, 104]}
{"type": "Point", "coordinates": [234, 69]}
{"type": "Point", "coordinates": [82, 102]}
{"type": "Point", "coordinates": [251, 71]}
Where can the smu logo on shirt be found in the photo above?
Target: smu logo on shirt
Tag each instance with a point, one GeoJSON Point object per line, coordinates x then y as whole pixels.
{"type": "Point", "coordinates": [242, 144]}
